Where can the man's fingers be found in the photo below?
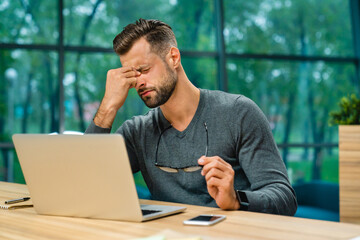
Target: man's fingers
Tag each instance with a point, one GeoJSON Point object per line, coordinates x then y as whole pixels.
{"type": "Point", "coordinates": [219, 176]}
{"type": "Point", "coordinates": [209, 163]}
{"type": "Point", "coordinates": [215, 173]}
{"type": "Point", "coordinates": [126, 72]}
{"type": "Point", "coordinates": [126, 69]}
{"type": "Point", "coordinates": [125, 76]}
{"type": "Point", "coordinates": [214, 182]}
{"type": "Point", "coordinates": [132, 81]}
{"type": "Point", "coordinates": [131, 74]}
{"type": "Point", "coordinates": [206, 160]}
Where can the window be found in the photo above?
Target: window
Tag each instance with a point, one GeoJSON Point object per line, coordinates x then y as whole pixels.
{"type": "Point", "coordinates": [294, 58]}
{"type": "Point", "coordinates": [289, 27]}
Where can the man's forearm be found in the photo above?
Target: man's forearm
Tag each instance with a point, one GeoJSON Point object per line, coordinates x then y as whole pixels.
{"type": "Point", "coordinates": [105, 116]}
{"type": "Point", "coordinates": [118, 83]}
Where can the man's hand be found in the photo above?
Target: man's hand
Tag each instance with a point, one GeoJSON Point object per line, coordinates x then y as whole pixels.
{"type": "Point", "coordinates": [219, 177]}
{"type": "Point", "coordinates": [118, 83]}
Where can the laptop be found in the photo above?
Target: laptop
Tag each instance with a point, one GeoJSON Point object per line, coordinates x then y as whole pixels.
{"type": "Point", "coordinates": [85, 176]}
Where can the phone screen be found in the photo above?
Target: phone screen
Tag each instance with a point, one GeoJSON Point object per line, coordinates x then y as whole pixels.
{"type": "Point", "coordinates": [205, 218]}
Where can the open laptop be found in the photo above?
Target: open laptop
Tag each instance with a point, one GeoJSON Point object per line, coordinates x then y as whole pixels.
{"type": "Point", "coordinates": [83, 176]}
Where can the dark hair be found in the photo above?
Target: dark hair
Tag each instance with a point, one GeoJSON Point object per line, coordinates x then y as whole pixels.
{"type": "Point", "coordinates": [158, 34]}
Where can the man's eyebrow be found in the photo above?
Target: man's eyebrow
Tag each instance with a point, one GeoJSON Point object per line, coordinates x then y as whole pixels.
{"type": "Point", "coordinates": [141, 67]}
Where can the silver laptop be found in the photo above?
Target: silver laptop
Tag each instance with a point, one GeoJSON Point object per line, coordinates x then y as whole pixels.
{"type": "Point", "coordinates": [83, 176]}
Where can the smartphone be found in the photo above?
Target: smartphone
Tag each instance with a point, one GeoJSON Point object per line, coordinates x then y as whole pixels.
{"type": "Point", "coordinates": [205, 220]}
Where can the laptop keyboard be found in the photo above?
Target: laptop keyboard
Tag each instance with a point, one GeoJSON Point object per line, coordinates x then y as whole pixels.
{"type": "Point", "coordinates": [147, 212]}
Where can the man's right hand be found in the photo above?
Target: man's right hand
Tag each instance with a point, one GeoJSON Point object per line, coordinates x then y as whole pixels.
{"type": "Point", "coordinates": [118, 83]}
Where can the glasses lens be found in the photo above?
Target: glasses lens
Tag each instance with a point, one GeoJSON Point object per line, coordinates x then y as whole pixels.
{"type": "Point", "coordinates": [192, 169]}
{"type": "Point", "coordinates": [170, 170]}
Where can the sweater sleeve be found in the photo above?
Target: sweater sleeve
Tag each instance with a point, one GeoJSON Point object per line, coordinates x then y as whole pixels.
{"type": "Point", "coordinates": [93, 128]}
{"type": "Point", "coordinates": [259, 157]}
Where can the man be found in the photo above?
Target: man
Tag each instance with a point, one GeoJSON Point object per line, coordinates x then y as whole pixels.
{"type": "Point", "coordinates": [194, 146]}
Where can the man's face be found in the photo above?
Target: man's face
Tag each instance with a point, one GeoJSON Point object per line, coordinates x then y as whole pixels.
{"type": "Point", "coordinates": [157, 81]}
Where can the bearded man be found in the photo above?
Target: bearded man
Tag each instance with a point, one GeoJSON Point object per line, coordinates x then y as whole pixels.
{"type": "Point", "coordinates": [194, 146]}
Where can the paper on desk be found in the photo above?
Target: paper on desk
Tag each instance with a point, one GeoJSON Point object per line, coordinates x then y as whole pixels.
{"type": "Point", "coordinates": [356, 238]}
{"type": "Point", "coordinates": [14, 206]}
{"type": "Point", "coordinates": [17, 206]}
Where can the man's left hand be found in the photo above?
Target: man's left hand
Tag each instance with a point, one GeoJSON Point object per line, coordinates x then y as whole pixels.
{"type": "Point", "coordinates": [219, 176]}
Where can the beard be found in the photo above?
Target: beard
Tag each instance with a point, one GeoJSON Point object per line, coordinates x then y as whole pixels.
{"type": "Point", "coordinates": [163, 91]}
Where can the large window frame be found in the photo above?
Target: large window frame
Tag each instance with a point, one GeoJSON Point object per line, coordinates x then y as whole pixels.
{"type": "Point", "coordinates": [219, 54]}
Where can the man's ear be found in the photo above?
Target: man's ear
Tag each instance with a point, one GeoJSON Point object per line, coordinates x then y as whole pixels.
{"type": "Point", "coordinates": [174, 57]}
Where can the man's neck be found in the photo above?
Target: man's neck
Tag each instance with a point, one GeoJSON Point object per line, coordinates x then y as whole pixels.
{"type": "Point", "coordinates": [181, 107]}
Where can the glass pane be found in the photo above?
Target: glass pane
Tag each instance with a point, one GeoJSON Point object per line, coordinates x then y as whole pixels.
{"type": "Point", "coordinates": [302, 27]}
{"type": "Point", "coordinates": [4, 164]}
{"type": "Point", "coordinates": [28, 92]}
{"type": "Point", "coordinates": [10, 169]}
{"type": "Point", "coordinates": [296, 97]}
{"type": "Point", "coordinates": [202, 72]}
{"type": "Point", "coordinates": [29, 21]}
{"type": "Point", "coordinates": [96, 23]}
{"type": "Point", "coordinates": [306, 164]}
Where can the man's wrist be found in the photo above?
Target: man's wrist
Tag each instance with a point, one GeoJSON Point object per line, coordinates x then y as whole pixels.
{"type": "Point", "coordinates": [237, 204]}
{"type": "Point", "coordinates": [105, 116]}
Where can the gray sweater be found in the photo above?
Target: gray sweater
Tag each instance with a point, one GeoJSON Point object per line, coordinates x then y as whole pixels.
{"type": "Point", "coordinates": [238, 132]}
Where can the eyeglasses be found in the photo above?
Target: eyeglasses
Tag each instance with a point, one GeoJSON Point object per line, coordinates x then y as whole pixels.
{"type": "Point", "coordinates": [176, 169]}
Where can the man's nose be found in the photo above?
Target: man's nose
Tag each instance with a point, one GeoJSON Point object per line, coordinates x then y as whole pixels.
{"type": "Point", "coordinates": [141, 82]}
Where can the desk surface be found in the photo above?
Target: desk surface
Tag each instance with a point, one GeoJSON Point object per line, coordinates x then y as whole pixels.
{"type": "Point", "coordinates": [26, 224]}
